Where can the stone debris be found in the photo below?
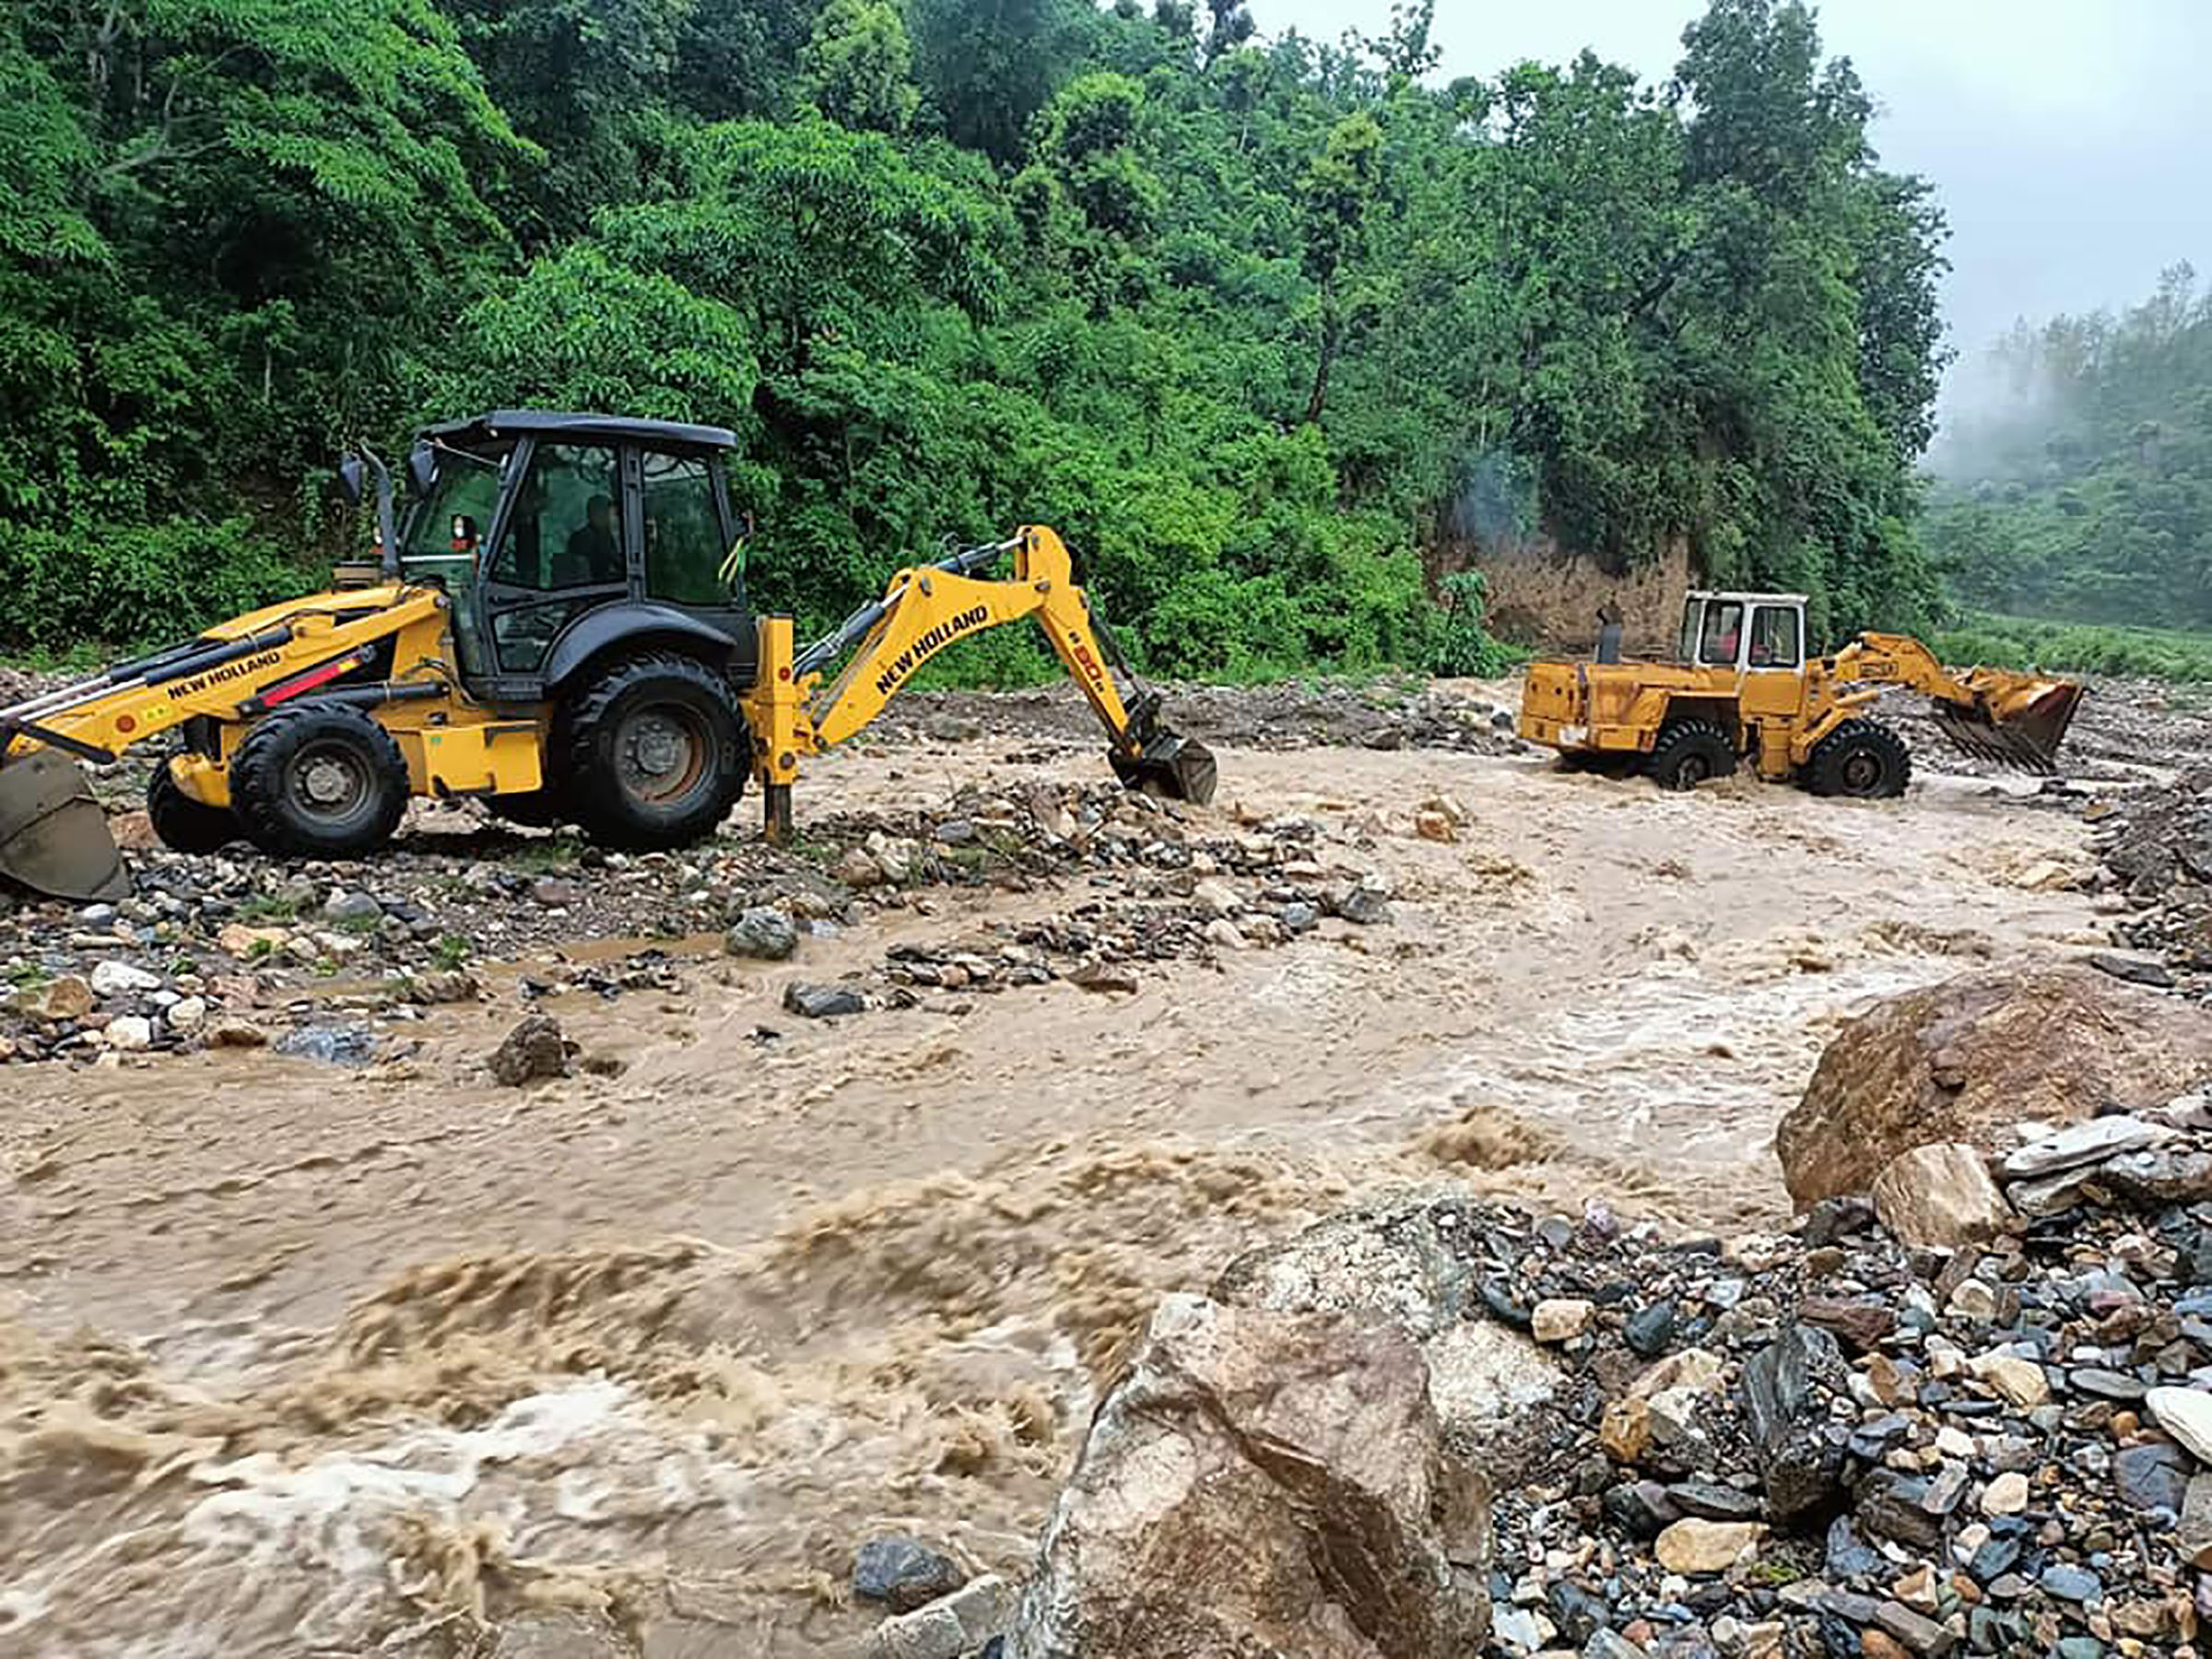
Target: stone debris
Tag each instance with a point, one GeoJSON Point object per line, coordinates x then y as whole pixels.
{"type": "Point", "coordinates": [533, 1050]}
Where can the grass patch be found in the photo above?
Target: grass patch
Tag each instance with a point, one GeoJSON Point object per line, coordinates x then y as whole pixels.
{"type": "Point", "coordinates": [2028, 642]}
{"type": "Point", "coordinates": [451, 952]}
{"type": "Point", "coordinates": [263, 910]}
{"type": "Point", "coordinates": [544, 856]}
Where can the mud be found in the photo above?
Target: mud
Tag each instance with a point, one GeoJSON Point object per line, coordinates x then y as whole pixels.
{"type": "Point", "coordinates": [295, 1359]}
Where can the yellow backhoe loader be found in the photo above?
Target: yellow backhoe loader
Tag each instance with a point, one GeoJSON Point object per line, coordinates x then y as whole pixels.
{"type": "Point", "coordinates": [559, 628]}
{"type": "Point", "coordinates": [1743, 687]}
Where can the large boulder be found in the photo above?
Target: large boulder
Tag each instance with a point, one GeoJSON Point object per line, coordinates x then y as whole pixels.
{"type": "Point", "coordinates": [1967, 1059]}
{"type": "Point", "coordinates": [1263, 1482]}
{"type": "Point", "coordinates": [1407, 1261]}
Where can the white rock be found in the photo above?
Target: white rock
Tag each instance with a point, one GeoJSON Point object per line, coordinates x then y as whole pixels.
{"type": "Point", "coordinates": [1560, 1319]}
{"type": "Point", "coordinates": [2084, 1143]}
{"type": "Point", "coordinates": [1216, 897]}
{"type": "Point", "coordinates": [116, 979]}
{"type": "Point", "coordinates": [2021, 1381]}
{"type": "Point", "coordinates": [130, 1032]}
{"type": "Point", "coordinates": [2007, 1495]}
{"type": "Point", "coordinates": [2186, 1414]}
{"type": "Point", "coordinates": [1939, 1196]}
{"type": "Point", "coordinates": [188, 1013]}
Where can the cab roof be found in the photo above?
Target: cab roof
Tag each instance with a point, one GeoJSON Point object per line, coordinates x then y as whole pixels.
{"type": "Point", "coordinates": [1746, 599]}
{"type": "Point", "coordinates": [499, 425]}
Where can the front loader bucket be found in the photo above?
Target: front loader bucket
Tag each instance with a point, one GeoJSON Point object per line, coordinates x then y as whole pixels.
{"type": "Point", "coordinates": [1178, 769]}
{"type": "Point", "coordinates": [53, 836]}
{"type": "Point", "coordinates": [2020, 723]}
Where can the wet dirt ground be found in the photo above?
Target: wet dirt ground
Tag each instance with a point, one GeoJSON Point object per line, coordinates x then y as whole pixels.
{"type": "Point", "coordinates": [295, 1359]}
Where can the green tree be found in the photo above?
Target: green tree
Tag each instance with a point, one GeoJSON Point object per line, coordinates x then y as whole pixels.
{"type": "Point", "coordinates": [859, 65]}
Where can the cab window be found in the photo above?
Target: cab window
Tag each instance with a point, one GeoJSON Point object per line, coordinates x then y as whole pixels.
{"type": "Point", "coordinates": [1723, 634]}
{"type": "Point", "coordinates": [683, 533]}
{"type": "Point", "coordinates": [1690, 612]}
{"type": "Point", "coordinates": [565, 528]}
{"type": "Point", "coordinates": [1775, 642]}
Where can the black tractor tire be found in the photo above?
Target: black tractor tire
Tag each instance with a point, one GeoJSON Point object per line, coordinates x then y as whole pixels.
{"type": "Point", "coordinates": [183, 824]}
{"type": "Point", "coordinates": [652, 753]}
{"type": "Point", "coordinates": [1863, 759]}
{"type": "Point", "coordinates": [1690, 751]}
{"type": "Point", "coordinates": [319, 782]}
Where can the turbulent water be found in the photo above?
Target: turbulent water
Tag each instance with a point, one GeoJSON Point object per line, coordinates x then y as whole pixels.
{"type": "Point", "coordinates": [296, 1361]}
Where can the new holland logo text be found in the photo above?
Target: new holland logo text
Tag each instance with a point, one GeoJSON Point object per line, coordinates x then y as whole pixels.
{"type": "Point", "coordinates": [923, 648]}
{"type": "Point", "coordinates": [229, 671]}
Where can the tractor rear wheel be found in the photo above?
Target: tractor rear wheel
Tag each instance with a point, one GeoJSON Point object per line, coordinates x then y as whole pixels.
{"type": "Point", "coordinates": [319, 782]}
{"type": "Point", "coordinates": [1863, 759]}
{"type": "Point", "coordinates": [652, 753]}
{"type": "Point", "coordinates": [183, 824]}
{"type": "Point", "coordinates": [1689, 752]}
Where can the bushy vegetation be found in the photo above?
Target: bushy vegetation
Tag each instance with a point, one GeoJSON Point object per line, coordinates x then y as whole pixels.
{"type": "Point", "coordinates": [2077, 480]}
{"type": "Point", "coordinates": [2001, 641]}
{"type": "Point", "coordinates": [1248, 319]}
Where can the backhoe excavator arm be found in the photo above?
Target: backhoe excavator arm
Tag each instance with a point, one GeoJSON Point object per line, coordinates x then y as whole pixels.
{"type": "Point", "coordinates": [926, 608]}
{"type": "Point", "coordinates": [2013, 719]}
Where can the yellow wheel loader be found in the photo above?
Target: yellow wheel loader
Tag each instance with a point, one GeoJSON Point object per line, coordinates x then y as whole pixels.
{"type": "Point", "coordinates": [557, 627]}
{"type": "Point", "coordinates": [1743, 687]}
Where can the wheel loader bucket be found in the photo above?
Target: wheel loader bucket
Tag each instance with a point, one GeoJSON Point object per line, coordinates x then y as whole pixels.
{"type": "Point", "coordinates": [1178, 769]}
{"type": "Point", "coordinates": [54, 835]}
{"type": "Point", "coordinates": [2017, 721]}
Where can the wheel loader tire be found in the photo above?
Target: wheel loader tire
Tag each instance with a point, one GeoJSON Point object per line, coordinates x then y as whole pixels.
{"type": "Point", "coordinates": [654, 753]}
{"type": "Point", "coordinates": [326, 782]}
{"type": "Point", "coordinates": [183, 824]}
{"type": "Point", "coordinates": [1689, 752]}
{"type": "Point", "coordinates": [1863, 759]}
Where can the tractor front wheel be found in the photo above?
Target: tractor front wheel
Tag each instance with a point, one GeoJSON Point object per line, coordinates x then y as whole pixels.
{"type": "Point", "coordinates": [1863, 759]}
{"type": "Point", "coordinates": [183, 824]}
{"type": "Point", "coordinates": [654, 753]}
{"type": "Point", "coordinates": [312, 782]}
{"type": "Point", "coordinates": [1689, 752]}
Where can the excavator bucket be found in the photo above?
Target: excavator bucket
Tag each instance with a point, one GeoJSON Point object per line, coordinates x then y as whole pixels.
{"type": "Point", "coordinates": [53, 836]}
{"type": "Point", "coordinates": [2016, 719]}
{"type": "Point", "coordinates": [1178, 769]}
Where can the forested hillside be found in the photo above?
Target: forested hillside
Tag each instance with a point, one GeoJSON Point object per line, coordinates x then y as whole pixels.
{"type": "Point", "coordinates": [2077, 477]}
{"type": "Point", "coordinates": [1255, 319]}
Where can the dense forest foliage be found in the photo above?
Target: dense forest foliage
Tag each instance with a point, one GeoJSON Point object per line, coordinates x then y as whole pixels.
{"type": "Point", "coordinates": [1269, 327]}
{"type": "Point", "coordinates": [2078, 473]}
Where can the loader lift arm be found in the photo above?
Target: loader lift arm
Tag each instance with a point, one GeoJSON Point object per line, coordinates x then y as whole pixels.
{"type": "Point", "coordinates": [924, 608]}
{"type": "Point", "coordinates": [2012, 719]}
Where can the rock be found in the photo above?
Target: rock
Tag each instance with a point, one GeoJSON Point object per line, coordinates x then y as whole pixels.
{"type": "Point", "coordinates": [856, 870]}
{"type": "Point", "coordinates": [1396, 1262]}
{"type": "Point", "coordinates": [2020, 1381]}
{"type": "Point", "coordinates": [1863, 1325]}
{"type": "Point", "coordinates": [239, 940]}
{"type": "Point", "coordinates": [2151, 1477]}
{"type": "Point", "coordinates": [2007, 1495]}
{"type": "Point", "coordinates": [1222, 932]}
{"type": "Point", "coordinates": [966, 1621]}
{"type": "Point", "coordinates": [352, 907]}
{"type": "Point", "coordinates": [1261, 1482]}
{"type": "Point", "coordinates": [2192, 1536]}
{"type": "Point", "coordinates": [1364, 905]}
{"type": "Point", "coordinates": [187, 1014]}
{"type": "Point", "coordinates": [230, 1031]}
{"type": "Point", "coordinates": [533, 1050]}
{"type": "Point", "coordinates": [1698, 1371]}
{"type": "Point", "coordinates": [1625, 1429]}
{"type": "Point", "coordinates": [1699, 1547]}
{"type": "Point", "coordinates": [129, 1032]}
{"type": "Point", "coordinates": [2082, 1143]}
{"type": "Point", "coordinates": [452, 985]}
{"type": "Point", "coordinates": [1103, 976]}
{"type": "Point", "coordinates": [2052, 1043]}
{"type": "Point", "coordinates": [1215, 898]}
{"type": "Point", "coordinates": [2138, 971]}
{"type": "Point", "coordinates": [1714, 1500]}
{"type": "Point", "coordinates": [762, 933]}
{"type": "Point", "coordinates": [1939, 1196]}
{"type": "Point", "coordinates": [120, 979]}
{"type": "Point", "coordinates": [2073, 1583]}
{"type": "Point", "coordinates": [1435, 826]}
{"type": "Point", "coordinates": [903, 1572]}
{"type": "Point", "coordinates": [2186, 1414]}
{"type": "Point", "coordinates": [1918, 1632]}
{"type": "Point", "coordinates": [328, 1045]}
{"type": "Point", "coordinates": [1561, 1319]}
{"type": "Point", "coordinates": [2156, 1177]}
{"type": "Point", "coordinates": [1786, 1387]}
{"type": "Point", "coordinates": [823, 1001]}
{"type": "Point", "coordinates": [1650, 1328]}
{"type": "Point", "coordinates": [67, 997]}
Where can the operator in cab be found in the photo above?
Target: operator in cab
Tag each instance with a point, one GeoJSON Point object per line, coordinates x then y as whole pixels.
{"type": "Point", "coordinates": [592, 555]}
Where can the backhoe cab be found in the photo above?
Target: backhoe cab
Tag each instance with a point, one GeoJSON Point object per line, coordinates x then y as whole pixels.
{"type": "Point", "coordinates": [557, 624]}
{"type": "Point", "coordinates": [1743, 686]}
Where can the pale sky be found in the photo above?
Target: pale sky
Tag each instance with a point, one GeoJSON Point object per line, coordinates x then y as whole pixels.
{"type": "Point", "coordinates": [2070, 141]}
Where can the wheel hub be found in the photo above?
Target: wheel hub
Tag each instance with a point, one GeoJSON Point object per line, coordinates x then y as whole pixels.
{"type": "Point", "coordinates": [1861, 771]}
{"type": "Point", "coordinates": [660, 753]}
{"type": "Point", "coordinates": [325, 782]}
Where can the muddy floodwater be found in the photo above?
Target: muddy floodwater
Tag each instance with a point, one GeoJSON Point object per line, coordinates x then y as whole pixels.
{"type": "Point", "coordinates": [295, 1359]}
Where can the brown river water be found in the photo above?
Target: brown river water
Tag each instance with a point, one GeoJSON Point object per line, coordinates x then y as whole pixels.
{"type": "Point", "coordinates": [297, 1360]}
